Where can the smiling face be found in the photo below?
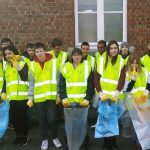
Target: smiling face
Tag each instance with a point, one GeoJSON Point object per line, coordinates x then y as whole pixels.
{"type": "Point", "coordinates": [101, 48]}
{"type": "Point", "coordinates": [8, 55]}
{"type": "Point", "coordinates": [85, 49]}
{"type": "Point", "coordinates": [113, 50]}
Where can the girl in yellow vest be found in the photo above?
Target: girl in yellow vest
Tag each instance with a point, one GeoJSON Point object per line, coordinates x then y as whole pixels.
{"type": "Point", "coordinates": [137, 82]}
{"type": "Point", "coordinates": [76, 81]}
{"type": "Point", "coordinates": [16, 76]}
{"type": "Point", "coordinates": [43, 90]}
{"type": "Point", "coordinates": [109, 78]}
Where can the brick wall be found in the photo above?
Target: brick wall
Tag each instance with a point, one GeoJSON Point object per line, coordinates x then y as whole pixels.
{"type": "Point", "coordinates": [41, 20]}
{"type": "Point", "coordinates": [37, 20]}
{"type": "Point", "coordinates": [139, 23]}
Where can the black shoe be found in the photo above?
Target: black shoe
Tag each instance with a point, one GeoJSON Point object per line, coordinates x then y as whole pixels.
{"type": "Point", "coordinates": [24, 141]}
{"type": "Point", "coordinates": [114, 143]}
{"type": "Point", "coordinates": [10, 126]}
{"type": "Point", "coordinates": [107, 144]}
{"type": "Point", "coordinates": [1, 142]}
{"type": "Point", "coordinates": [17, 140]}
{"type": "Point", "coordinates": [85, 143]}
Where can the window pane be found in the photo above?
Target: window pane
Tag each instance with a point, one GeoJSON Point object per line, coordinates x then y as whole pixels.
{"type": "Point", "coordinates": [87, 5]}
{"type": "Point", "coordinates": [87, 27]}
{"type": "Point", "coordinates": [113, 5]}
{"type": "Point", "coordinates": [113, 24]}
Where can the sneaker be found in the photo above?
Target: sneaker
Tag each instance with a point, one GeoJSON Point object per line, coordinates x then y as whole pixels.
{"type": "Point", "coordinates": [24, 141]}
{"type": "Point", "coordinates": [93, 126]}
{"type": "Point", "coordinates": [57, 143]}
{"type": "Point", "coordinates": [44, 145]}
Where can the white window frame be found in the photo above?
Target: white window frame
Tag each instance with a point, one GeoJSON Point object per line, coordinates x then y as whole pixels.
{"type": "Point", "coordinates": [100, 25]}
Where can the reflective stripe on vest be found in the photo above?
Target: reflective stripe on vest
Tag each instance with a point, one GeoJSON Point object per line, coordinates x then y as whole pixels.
{"type": "Point", "coordinates": [45, 94]}
{"type": "Point", "coordinates": [17, 82]}
{"type": "Point", "coordinates": [64, 57]}
{"type": "Point", "coordinates": [109, 81]}
{"type": "Point", "coordinates": [18, 93]}
{"type": "Point", "coordinates": [53, 81]}
{"type": "Point", "coordinates": [76, 95]}
{"type": "Point", "coordinates": [85, 77]}
{"type": "Point", "coordinates": [45, 82]}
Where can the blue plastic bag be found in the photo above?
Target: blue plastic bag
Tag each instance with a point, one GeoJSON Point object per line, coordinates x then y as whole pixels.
{"type": "Point", "coordinates": [107, 122]}
{"type": "Point", "coordinates": [4, 117]}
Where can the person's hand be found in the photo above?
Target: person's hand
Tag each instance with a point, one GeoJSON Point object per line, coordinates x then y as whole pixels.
{"type": "Point", "coordinates": [30, 103]}
{"type": "Point", "coordinates": [115, 96]}
{"type": "Point", "coordinates": [3, 96]}
{"type": "Point", "coordinates": [58, 100]}
{"type": "Point", "coordinates": [102, 96]}
{"type": "Point", "coordinates": [65, 102]}
{"type": "Point", "coordinates": [146, 93]}
{"type": "Point", "coordinates": [134, 77]}
{"type": "Point", "coordinates": [14, 60]}
{"type": "Point", "coordinates": [84, 103]}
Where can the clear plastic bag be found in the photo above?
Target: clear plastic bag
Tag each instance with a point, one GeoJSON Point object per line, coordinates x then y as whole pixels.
{"type": "Point", "coordinates": [139, 110]}
{"type": "Point", "coordinates": [4, 117]}
{"type": "Point", "coordinates": [76, 126]}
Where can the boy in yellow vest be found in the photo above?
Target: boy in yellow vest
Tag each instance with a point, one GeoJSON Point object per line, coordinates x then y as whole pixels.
{"type": "Point", "coordinates": [85, 47]}
{"type": "Point", "coordinates": [44, 71]}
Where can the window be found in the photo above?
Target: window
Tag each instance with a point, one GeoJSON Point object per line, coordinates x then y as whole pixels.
{"type": "Point", "coordinates": [100, 19]}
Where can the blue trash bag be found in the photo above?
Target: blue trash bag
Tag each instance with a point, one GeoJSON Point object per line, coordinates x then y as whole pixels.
{"type": "Point", "coordinates": [4, 117]}
{"type": "Point", "coordinates": [107, 122]}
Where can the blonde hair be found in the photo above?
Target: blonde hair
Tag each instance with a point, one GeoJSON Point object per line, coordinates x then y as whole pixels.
{"type": "Point", "coordinates": [131, 59]}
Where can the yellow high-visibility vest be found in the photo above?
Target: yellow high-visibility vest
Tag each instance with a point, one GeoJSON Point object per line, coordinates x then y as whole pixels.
{"type": "Point", "coordinates": [110, 75]}
{"type": "Point", "coordinates": [45, 87]}
{"type": "Point", "coordinates": [140, 84]}
{"type": "Point", "coordinates": [76, 80]}
{"type": "Point", "coordinates": [145, 60]}
{"type": "Point", "coordinates": [16, 89]}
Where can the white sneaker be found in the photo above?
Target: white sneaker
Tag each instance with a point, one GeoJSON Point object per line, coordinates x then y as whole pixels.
{"type": "Point", "coordinates": [57, 143]}
{"type": "Point", "coordinates": [44, 145]}
{"type": "Point", "coordinates": [93, 126]}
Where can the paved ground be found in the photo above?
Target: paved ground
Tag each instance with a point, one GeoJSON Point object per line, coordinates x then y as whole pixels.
{"type": "Point", "coordinates": [35, 142]}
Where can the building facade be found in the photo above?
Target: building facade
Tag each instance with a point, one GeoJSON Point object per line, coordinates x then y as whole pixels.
{"type": "Point", "coordinates": [74, 21]}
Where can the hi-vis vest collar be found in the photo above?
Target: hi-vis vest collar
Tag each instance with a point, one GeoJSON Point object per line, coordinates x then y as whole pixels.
{"type": "Point", "coordinates": [101, 71]}
{"type": "Point", "coordinates": [78, 84]}
{"type": "Point", "coordinates": [62, 55]}
{"type": "Point", "coordinates": [54, 72]}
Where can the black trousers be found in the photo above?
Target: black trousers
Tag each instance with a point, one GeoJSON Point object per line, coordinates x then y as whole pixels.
{"type": "Point", "coordinates": [18, 111]}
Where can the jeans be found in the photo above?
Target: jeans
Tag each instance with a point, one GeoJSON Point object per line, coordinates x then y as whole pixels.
{"type": "Point", "coordinates": [46, 112]}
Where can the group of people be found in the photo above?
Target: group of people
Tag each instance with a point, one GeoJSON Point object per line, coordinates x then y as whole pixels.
{"type": "Point", "coordinates": [47, 78]}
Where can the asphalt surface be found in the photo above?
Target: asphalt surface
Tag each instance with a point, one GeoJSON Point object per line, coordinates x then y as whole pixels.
{"type": "Point", "coordinates": [34, 142]}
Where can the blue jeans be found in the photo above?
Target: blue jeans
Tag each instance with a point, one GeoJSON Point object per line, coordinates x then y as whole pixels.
{"type": "Point", "coordinates": [46, 112]}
